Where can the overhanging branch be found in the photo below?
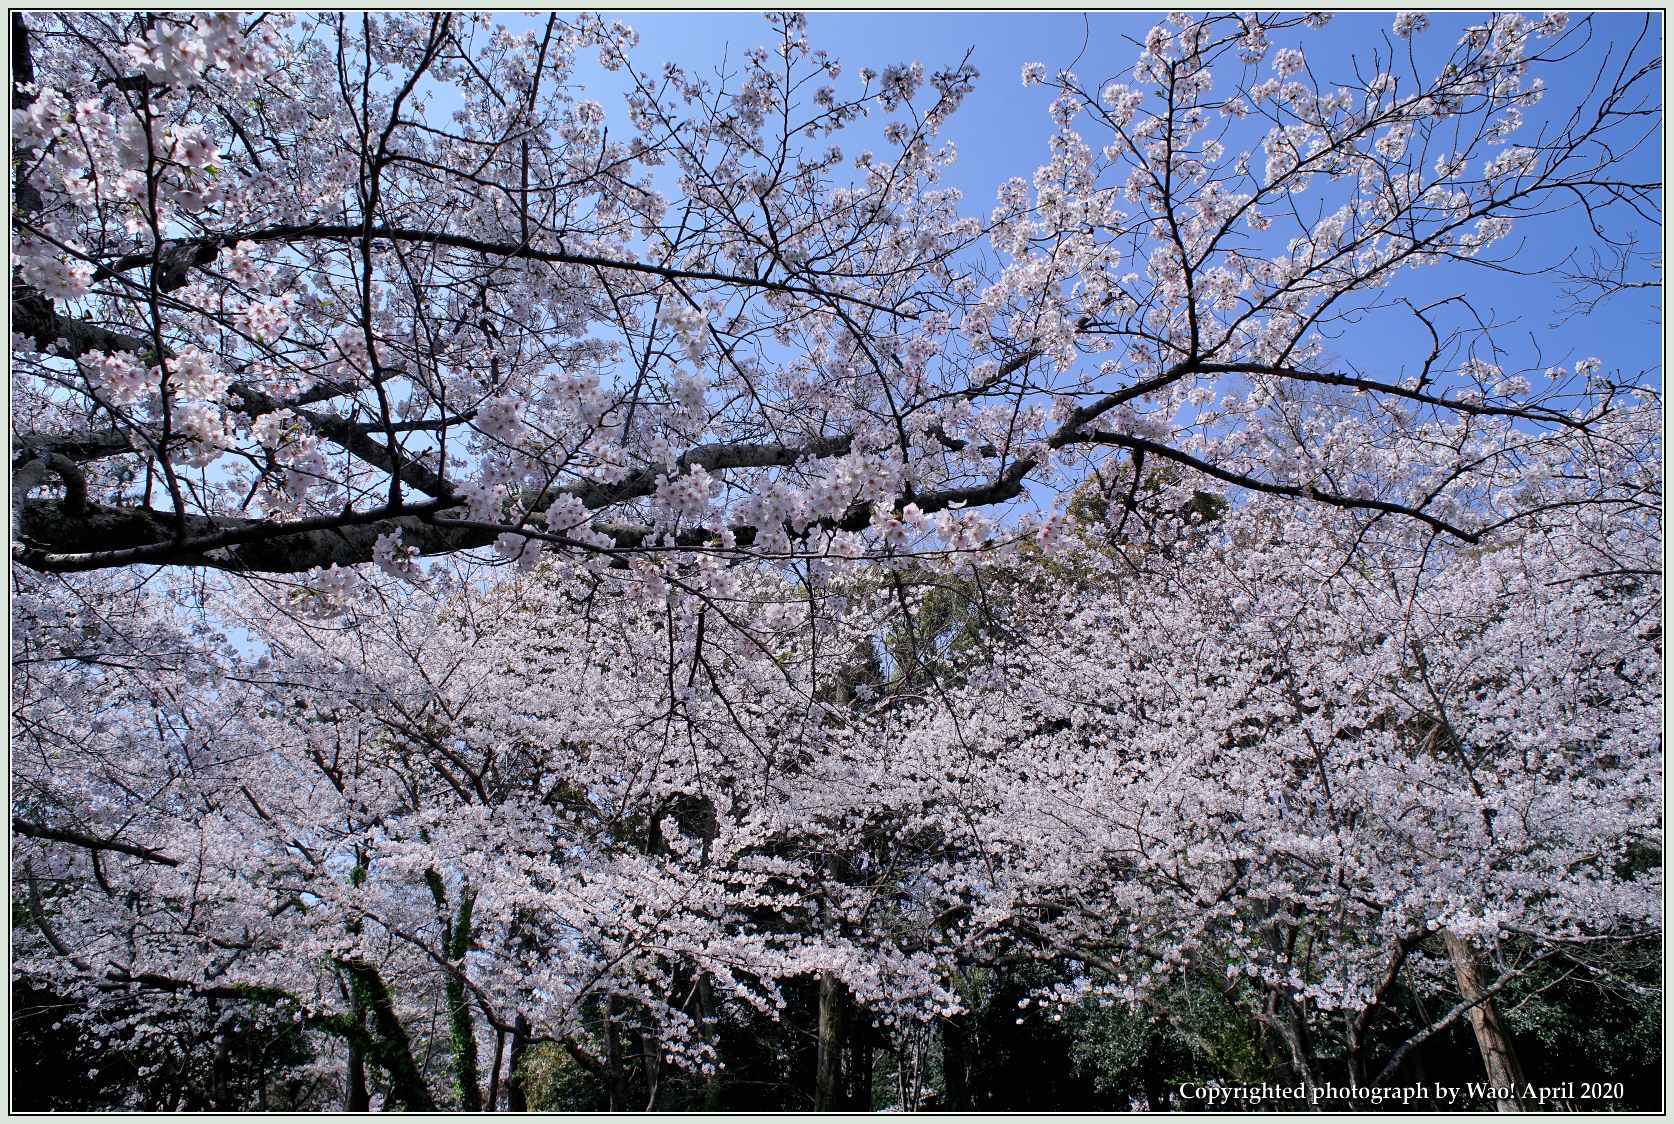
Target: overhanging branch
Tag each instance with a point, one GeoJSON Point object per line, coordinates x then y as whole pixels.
{"type": "Point", "coordinates": [1256, 484]}
{"type": "Point", "coordinates": [90, 842]}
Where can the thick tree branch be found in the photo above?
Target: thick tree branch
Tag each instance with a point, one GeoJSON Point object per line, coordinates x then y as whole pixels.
{"type": "Point", "coordinates": [90, 842]}
{"type": "Point", "coordinates": [56, 538]}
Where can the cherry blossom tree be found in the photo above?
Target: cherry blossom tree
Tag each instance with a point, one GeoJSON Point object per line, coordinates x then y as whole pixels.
{"type": "Point", "coordinates": [416, 813]}
{"type": "Point", "coordinates": [497, 572]}
{"type": "Point", "coordinates": [1327, 771]}
{"type": "Point", "coordinates": [275, 310]}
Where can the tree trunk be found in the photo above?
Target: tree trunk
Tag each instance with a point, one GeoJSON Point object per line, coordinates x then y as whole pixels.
{"type": "Point", "coordinates": [393, 1049]}
{"type": "Point", "coordinates": [651, 1055]}
{"type": "Point", "coordinates": [220, 1079]}
{"type": "Point", "coordinates": [615, 1064]}
{"type": "Point", "coordinates": [828, 1072]}
{"type": "Point", "coordinates": [1499, 1057]}
{"type": "Point", "coordinates": [954, 1085]}
{"type": "Point", "coordinates": [857, 1076]}
{"type": "Point", "coordinates": [359, 1098]}
{"type": "Point", "coordinates": [516, 1101]}
{"type": "Point", "coordinates": [1274, 1046]}
{"type": "Point", "coordinates": [1301, 1049]}
{"type": "Point", "coordinates": [1150, 1069]}
{"type": "Point", "coordinates": [493, 1104]}
{"type": "Point", "coordinates": [461, 1027]}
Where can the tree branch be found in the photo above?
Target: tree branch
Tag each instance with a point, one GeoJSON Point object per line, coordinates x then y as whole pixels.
{"type": "Point", "coordinates": [1255, 484]}
{"type": "Point", "coordinates": [208, 246]}
{"type": "Point", "coordinates": [91, 842]}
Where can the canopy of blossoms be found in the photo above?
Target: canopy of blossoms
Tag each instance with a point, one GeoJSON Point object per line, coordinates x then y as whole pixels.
{"type": "Point", "coordinates": [490, 569]}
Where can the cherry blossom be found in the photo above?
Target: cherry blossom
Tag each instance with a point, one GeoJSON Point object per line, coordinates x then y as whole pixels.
{"type": "Point", "coordinates": [497, 561]}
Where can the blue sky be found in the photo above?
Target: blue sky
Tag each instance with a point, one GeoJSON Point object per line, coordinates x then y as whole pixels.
{"type": "Point", "coordinates": [1002, 131]}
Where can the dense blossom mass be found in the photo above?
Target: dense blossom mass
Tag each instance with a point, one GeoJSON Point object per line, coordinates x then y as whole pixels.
{"type": "Point", "coordinates": [498, 564]}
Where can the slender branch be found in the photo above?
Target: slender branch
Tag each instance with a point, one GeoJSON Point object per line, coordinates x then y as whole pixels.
{"type": "Point", "coordinates": [1452, 1016]}
{"type": "Point", "coordinates": [211, 244]}
{"type": "Point", "coordinates": [1256, 484]}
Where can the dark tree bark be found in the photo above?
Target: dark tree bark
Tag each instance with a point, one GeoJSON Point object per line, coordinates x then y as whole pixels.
{"type": "Point", "coordinates": [359, 1097]}
{"type": "Point", "coordinates": [857, 1078]}
{"type": "Point", "coordinates": [1150, 1069]}
{"type": "Point", "coordinates": [393, 1049]}
{"type": "Point", "coordinates": [955, 1043]}
{"type": "Point", "coordinates": [493, 1104]}
{"type": "Point", "coordinates": [516, 1100]}
{"type": "Point", "coordinates": [616, 1065]}
{"type": "Point", "coordinates": [829, 1067]}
